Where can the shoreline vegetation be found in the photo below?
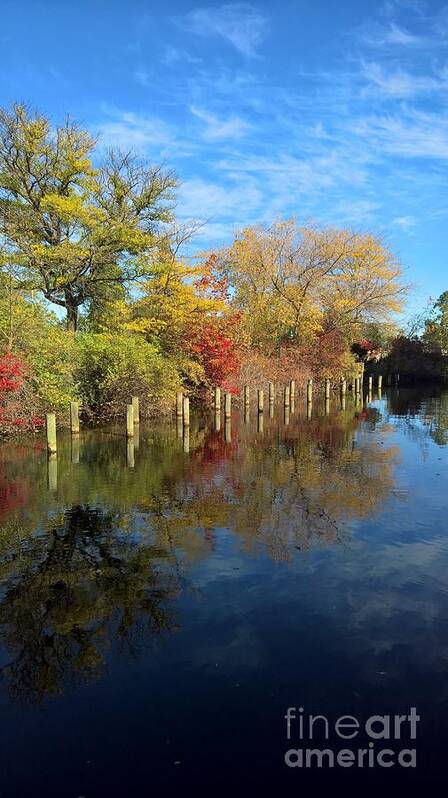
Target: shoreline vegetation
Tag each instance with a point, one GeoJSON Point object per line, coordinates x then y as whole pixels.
{"type": "Point", "coordinates": [101, 299]}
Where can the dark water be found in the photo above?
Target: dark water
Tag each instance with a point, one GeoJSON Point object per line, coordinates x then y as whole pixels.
{"type": "Point", "coordinates": [160, 609]}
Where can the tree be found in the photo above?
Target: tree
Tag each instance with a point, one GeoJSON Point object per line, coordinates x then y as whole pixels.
{"type": "Point", "coordinates": [68, 230]}
{"type": "Point", "coordinates": [294, 282]}
{"type": "Point", "coordinates": [436, 326]}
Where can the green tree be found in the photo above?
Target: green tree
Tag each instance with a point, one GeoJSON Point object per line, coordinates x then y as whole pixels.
{"type": "Point", "coordinates": [436, 327]}
{"type": "Point", "coordinates": [68, 230]}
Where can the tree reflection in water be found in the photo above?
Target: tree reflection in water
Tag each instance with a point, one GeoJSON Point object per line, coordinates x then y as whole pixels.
{"type": "Point", "coordinates": [101, 561]}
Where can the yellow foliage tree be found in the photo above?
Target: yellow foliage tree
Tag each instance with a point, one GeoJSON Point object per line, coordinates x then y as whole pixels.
{"type": "Point", "coordinates": [294, 282]}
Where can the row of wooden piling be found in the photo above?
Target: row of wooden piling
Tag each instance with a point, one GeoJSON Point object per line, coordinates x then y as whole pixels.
{"type": "Point", "coordinates": [183, 405]}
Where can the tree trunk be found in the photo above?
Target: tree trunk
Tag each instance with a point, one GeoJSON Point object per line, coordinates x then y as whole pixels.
{"type": "Point", "coordinates": [72, 314]}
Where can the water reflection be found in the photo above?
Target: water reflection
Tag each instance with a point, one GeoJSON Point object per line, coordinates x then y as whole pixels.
{"type": "Point", "coordinates": [95, 556]}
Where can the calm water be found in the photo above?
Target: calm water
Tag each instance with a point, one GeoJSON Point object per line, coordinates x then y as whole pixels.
{"type": "Point", "coordinates": [160, 609]}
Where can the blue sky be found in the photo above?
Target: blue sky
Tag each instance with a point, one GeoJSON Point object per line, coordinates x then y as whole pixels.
{"type": "Point", "coordinates": [332, 111]}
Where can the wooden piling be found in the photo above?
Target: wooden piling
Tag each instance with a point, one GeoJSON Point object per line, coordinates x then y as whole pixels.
{"type": "Point", "coordinates": [51, 433]}
{"type": "Point", "coordinates": [228, 405]}
{"type": "Point", "coordinates": [327, 389]}
{"type": "Point", "coordinates": [217, 399]}
{"type": "Point", "coordinates": [179, 404]}
{"type": "Point", "coordinates": [74, 418]}
{"type": "Point", "coordinates": [260, 400]}
{"type": "Point", "coordinates": [271, 393]}
{"type": "Point", "coordinates": [129, 421]}
{"type": "Point", "coordinates": [309, 391]}
{"type": "Point", "coordinates": [343, 387]}
{"type": "Point", "coordinates": [380, 381]}
{"type": "Point", "coordinates": [260, 422]}
{"type": "Point", "coordinates": [292, 390]}
{"type": "Point", "coordinates": [370, 384]}
{"type": "Point", "coordinates": [136, 406]}
{"type": "Point", "coordinates": [287, 395]}
{"type": "Point", "coordinates": [186, 411]}
{"type": "Point", "coordinates": [246, 395]}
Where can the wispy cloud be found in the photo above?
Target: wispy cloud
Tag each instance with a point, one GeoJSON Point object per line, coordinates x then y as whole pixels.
{"type": "Point", "coordinates": [128, 130]}
{"type": "Point", "coordinates": [415, 134]}
{"type": "Point", "coordinates": [239, 24]}
{"type": "Point", "coordinates": [399, 83]}
{"type": "Point", "coordinates": [233, 127]}
{"type": "Point", "coordinates": [376, 35]}
{"type": "Point", "coordinates": [405, 223]}
{"type": "Point", "coordinates": [176, 55]}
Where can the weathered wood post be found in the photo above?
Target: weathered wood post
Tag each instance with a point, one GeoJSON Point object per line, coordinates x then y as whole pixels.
{"type": "Point", "coordinates": [343, 387]}
{"type": "Point", "coordinates": [287, 395]}
{"type": "Point", "coordinates": [246, 395]}
{"type": "Point", "coordinates": [52, 445]}
{"type": "Point", "coordinates": [309, 410]}
{"type": "Point", "coordinates": [179, 426]}
{"type": "Point", "coordinates": [136, 406]}
{"type": "Point", "coordinates": [370, 384]}
{"type": "Point", "coordinates": [327, 389]}
{"type": "Point", "coordinates": [217, 400]}
{"type": "Point", "coordinates": [217, 420]}
{"type": "Point", "coordinates": [292, 390]}
{"type": "Point", "coordinates": [74, 418]}
{"type": "Point", "coordinates": [260, 422]}
{"type": "Point", "coordinates": [343, 401]}
{"type": "Point", "coordinates": [228, 405]}
{"type": "Point", "coordinates": [246, 414]}
{"type": "Point", "coordinates": [286, 414]}
{"type": "Point", "coordinates": [309, 391]}
{"type": "Point", "coordinates": [271, 393]}
{"type": "Point", "coordinates": [327, 407]}
{"type": "Point", "coordinates": [129, 421]}
{"type": "Point", "coordinates": [186, 411]}
{"type": "Point", "coordinates": [380, 381]}
{"type": "Point", "coordinates": [260, 400]}
{"type": "Point", "coordinates": [179, 404]}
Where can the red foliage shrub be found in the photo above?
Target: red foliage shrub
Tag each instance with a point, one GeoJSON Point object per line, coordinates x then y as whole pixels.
{"type": "Point", "coordinates": [14, 413]}
{"type": "Point", "coordinates": [216, 352]}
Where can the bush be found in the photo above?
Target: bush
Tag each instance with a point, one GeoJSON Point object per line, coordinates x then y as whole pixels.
{"type": "Point", "coordinates": [113, 368]}
{"type": "Point", "coordinates": [17, 407]}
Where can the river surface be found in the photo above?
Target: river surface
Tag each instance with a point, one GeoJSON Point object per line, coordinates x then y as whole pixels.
{"type": "Point", "coordinates": [163, 603]}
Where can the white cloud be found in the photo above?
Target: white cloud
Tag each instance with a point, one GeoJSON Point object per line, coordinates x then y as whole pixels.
{"type": "Point", "coordinates": [175, 55]}
{"type": "Point", "coordinates": [397, 35]}
{"type": "Point", "coordinates": [399, 83]}
{"type": "Point", "coordinates": [236, 199]}
{"type": "Point", "coordinates": [220, 129]}
{"type": "Point", "coordinates": [405, 223]}
{"type": "Point", "coordinates": [131, 131]}
{"type": "Point", "coordinates": [239, 24]}
{"type": "Point", "coordinates": [414, 135]}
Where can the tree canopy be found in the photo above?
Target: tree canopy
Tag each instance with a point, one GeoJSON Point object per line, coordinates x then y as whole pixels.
{"type": "Point", "coordinates": [70, 230]}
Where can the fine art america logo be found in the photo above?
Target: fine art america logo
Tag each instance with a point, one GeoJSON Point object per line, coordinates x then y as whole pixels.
{"type": "Point", "coordinates": [377, 741]}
